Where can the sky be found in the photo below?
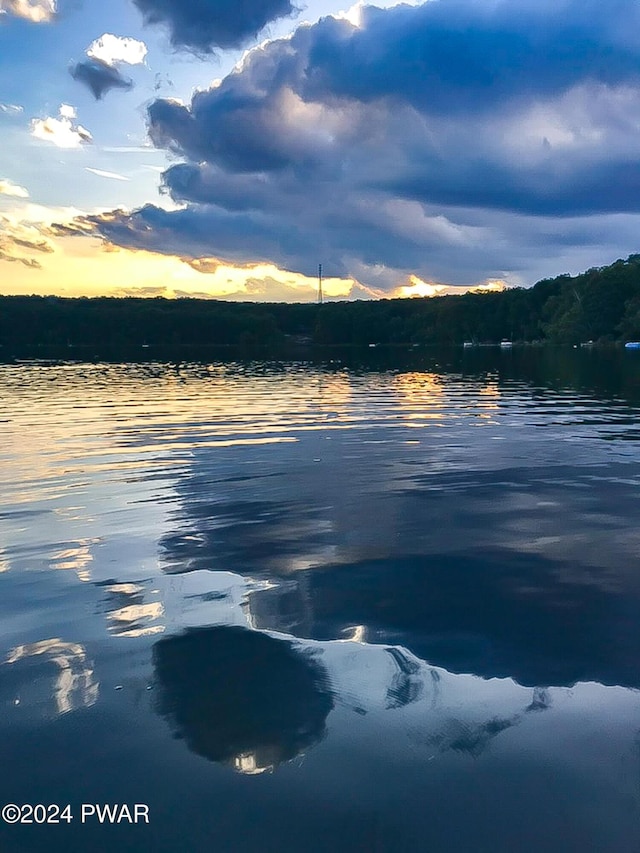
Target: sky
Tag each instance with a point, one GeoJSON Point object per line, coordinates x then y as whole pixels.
{"type": "Point", "coordinates": [225, 149]}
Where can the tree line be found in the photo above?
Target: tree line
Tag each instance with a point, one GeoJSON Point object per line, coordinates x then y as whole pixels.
{"type": "Point", "coordinates": [600, 305]}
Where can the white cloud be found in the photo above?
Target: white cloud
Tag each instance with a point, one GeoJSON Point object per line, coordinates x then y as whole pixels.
{"type": "Point", "coordinates": [353, 15]}
{"type": "Point", "coordinates": [37, 11]}
{"type": "Point", "coordinates": [100, 72]}
{"type": "Point", "coordinates": [9, 188]}
{"type": "Point", "coordinates": [103, 174]}
{"type": "Point", "coordinates": [11, 109]}
{"type": "Point", "coordinates": [113, 49]}
{"type": "Point", "coordinates": [61, 131]}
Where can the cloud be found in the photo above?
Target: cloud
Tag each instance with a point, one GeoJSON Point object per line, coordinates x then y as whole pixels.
{"type": "Point", "coordinates": [20, 241]}
{"type": "Point", "coordinates": [103, 174]}
{"type": "Point", "coordinates": [99, 77]}
{"type": "Point", "coordinates": [5, 255]}
{"type": "Point", "coordinates": [62, 131]}
{"type": "Point", "coordinates": [36, 11]}
{"type": "Point", "coordinates": [467, 56]}
{"type": "Point", "coordinates": [114, 49]}
{"type": "Point", "coordinates": [77, 226]}
{"type": "Point", "coordinates": [99, 72]}
{"type": "Point", "coordinates": [454, 141]}
{"type": "Point", "coordinates": [203, 25]}
{"type": "Point", "coordinates": [11, 109]}
{"type": "Point", "coordinates": [9, 188]}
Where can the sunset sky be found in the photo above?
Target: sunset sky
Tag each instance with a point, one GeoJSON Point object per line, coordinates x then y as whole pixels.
{"type": "Point", "coordinates": [218, 148]}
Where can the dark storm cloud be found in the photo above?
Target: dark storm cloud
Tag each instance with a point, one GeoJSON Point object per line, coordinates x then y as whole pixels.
{"type": "Point", "coordinates": [203, 25]}
{"type": "Point", "coordinates": [387, 145]}
{"type": "Point", "coordinates": [240, 238]}
{"type": "Point", "coordinates": [606, 188]}
{"type": "Point", "coordinates": [464, 55]}
{"type": "Point", "coordinates": [99, 77]}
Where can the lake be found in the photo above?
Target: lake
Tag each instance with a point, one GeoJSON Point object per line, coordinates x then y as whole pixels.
{"type": "Point", "coordinates": [350, 602]}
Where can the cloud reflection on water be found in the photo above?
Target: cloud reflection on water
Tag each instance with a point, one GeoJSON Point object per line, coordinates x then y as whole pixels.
{"type": "Point", "coordinates": [75, 685]}
{"type": "Point", "coordinates": [426, 580]}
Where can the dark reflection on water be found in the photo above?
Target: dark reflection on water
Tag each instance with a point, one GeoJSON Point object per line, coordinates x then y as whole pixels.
{"type": "Point", "coordinates": [241, 697]}
{"type": "Point", "coordinates": [608, 372]}
{"type": "Point", "coordinates": [493, 612]}
{"type": "Point", "coordinates": [405, 584]}
{"type": "Point", "coordinates": [528, 619]}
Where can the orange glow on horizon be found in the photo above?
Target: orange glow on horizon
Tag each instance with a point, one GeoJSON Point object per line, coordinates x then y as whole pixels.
{"type": "Point", "coordinates": [39, 262]}
{"type": "Point", "coordinates": [421, 289]}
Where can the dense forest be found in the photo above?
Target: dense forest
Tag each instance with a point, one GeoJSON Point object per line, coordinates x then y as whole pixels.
{"type": "Point", "coordinates": [600, 305]}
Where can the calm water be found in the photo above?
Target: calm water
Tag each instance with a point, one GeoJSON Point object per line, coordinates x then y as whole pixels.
{"type": "Point", "coordinates": [324, 607]}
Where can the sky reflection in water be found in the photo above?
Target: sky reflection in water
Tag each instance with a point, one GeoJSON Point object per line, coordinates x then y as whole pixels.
{"type": "Point", "coordinates": [404, 597]}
